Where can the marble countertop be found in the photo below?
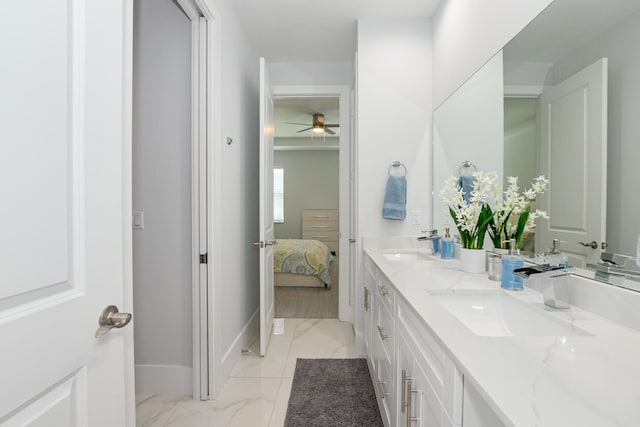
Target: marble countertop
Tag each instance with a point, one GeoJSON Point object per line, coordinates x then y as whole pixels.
{"type": "Point", "coordinates": [528, 381]}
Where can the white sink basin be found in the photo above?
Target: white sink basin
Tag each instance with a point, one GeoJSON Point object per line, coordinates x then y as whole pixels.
{"type": "Point", "coordinates": [406, 255]}
{"type": "Point", "coordinates": [495, 314]}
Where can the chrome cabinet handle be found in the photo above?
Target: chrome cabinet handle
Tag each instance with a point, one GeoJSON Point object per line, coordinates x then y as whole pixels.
{"type": "Point", "coordinates": [592, 244]}
{"type": "Point", "coordinates": [110, 318]}
{"type": "Point", "coordinates": [403, 400]}
{"type": "Point", "coordinates": [366, 299]}
{"type": "Point", "coordinates": [383, 336]}
{"type": "Point", "coordinates": [604, 245]}
{"type": "Point", "coordinates": [410, 391]}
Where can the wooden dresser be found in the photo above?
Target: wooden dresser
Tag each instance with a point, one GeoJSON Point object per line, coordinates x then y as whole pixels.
{"type": "Point", "coordinates": [322, 225]}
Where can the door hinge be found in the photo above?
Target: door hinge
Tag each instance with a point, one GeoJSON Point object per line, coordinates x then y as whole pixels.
{"type": "Point", "coordinates": [204, 258]}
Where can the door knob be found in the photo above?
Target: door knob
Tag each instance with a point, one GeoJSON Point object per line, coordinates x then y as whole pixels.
{"type": "Point", "coordinates": [110, 318]}
{"type": "Point", "coordinates": [592, 244]}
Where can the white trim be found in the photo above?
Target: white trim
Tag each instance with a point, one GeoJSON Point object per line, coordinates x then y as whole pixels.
{"type": "Point", "coordinates": [127, 206]}
{"type": "Point", "coordinates": [521, 91]}
{"type": "Point", "coordinates": [306, 148]}
{"type": "Point", "coordinates": [164, 379]}
{"type": "Point", "coordinates": [201, 106]}
{"type": "Point", "coordinates": [344, 94]}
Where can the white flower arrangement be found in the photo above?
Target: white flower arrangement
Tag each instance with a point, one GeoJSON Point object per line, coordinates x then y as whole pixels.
{"type": "Point", "coordinates": [513, 216]}
{"type": "Point", "coordinates": [473, 217]}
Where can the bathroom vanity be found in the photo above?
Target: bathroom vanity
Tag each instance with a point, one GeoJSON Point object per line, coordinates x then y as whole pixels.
{"type": "Point", "coordinates": [448, 348]}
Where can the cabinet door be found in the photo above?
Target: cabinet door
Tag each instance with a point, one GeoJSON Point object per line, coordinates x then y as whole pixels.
{"type": "Point", "coordinates": [424, 406]}
{"type": "Point", "coordinates": [405, 371]}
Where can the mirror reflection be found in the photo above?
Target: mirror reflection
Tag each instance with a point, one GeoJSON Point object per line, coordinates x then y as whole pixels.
{"type": "Point", "coordinates": [569, 108]}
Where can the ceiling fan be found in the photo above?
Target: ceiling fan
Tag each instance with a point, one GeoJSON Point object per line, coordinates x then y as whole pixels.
{"type": "Point", "coordinates": [318, 125]}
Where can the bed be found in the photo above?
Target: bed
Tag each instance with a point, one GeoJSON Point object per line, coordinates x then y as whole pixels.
{"type": "Point", "coordinates": [299, 262]}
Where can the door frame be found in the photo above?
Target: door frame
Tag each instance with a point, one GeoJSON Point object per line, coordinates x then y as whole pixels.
{"type": "Point", "coordinates": [202, 42]}
{"type": "Point", "coordinates": [343, 93]}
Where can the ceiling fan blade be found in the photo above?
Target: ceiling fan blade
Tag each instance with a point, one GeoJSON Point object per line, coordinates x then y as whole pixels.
{"type": "Point", "coordinates": [332, 125]}
{"type": "Point", "coordinates": [304, 130]}
{"type": "Point", "coordinates": [329, 131]}
{"type": "Point", "coordinates": [293, 123]}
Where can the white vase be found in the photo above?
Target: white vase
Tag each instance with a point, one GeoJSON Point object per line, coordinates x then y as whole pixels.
{"type": "Point", "coordinates": [473, 260]}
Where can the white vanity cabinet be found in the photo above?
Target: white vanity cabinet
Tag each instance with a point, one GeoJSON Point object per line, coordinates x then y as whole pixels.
{"type": "Point", "coordinates": [416, 381]}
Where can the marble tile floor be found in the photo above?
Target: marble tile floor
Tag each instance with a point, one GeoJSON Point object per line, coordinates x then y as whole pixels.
{"type": "Point", "coordinates": [257, 393]}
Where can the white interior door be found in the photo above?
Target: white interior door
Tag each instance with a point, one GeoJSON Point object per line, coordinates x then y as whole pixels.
{"type": "Point", "coordinates": [266, 209]}
{"type": "Point", "coordinates": [65, 115]}
{"type": "Point", "coordinates": [573, 155]}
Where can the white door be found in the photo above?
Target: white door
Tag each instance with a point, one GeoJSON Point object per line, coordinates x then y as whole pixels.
{"type": "Point", "coordinates": [266, 209]}
{"type": "Point", "coordinates": [573, 155]}
{"type": "Point", "coordinates": [65, 82]}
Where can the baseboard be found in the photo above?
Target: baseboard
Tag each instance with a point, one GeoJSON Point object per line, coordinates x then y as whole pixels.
{"type": "Point", "coordinates": [164, 379]}
{"type": "Point", "coordinates": [245, 338]}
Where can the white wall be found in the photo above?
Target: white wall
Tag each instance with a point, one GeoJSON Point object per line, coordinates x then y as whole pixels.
{"type": "Point", "coordinates": [467, 33]}
{"type": "Point", "coordinates": [468, 126]}
{"type": "Point", "coordinates": [310, 73]}
{"type": "Point", "coordinates": [623, 205]}
{"type": "Point", "coordinates": [394, 119]}
{"type": "Point", "coordinates": [310, 182]}
{"type": "Point", "coordinates": [520, 140]}
{"type": "Point", "coordinates": [162, 189]}
{"type": "Point", "coordinates": [235, 189]}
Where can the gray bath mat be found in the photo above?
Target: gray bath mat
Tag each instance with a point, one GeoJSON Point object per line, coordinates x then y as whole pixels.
{"type": "Point", "coordinates": [332, 392]}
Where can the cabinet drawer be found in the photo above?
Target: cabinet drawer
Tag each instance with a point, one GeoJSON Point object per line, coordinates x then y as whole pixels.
{"type": "Point", "coordinates": [386, 291]}
{"type": "Point", "coordinates": [320, 215]}
{"type": "Point", "coordinates": [320, 226]}
{"type": "Point", "coordinates": [323, 236]}
{"type": "Point", "coordinates": [385, 330]}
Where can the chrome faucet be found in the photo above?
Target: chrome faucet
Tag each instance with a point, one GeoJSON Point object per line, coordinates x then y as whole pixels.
{"type": "Point", "coordinates": [433, 234]}
{"type": "Point", "coordinates": [554, 294]}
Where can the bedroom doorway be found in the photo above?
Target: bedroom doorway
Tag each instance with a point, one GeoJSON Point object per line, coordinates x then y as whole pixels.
{"type": "Point", "coordinates": [311, 202]}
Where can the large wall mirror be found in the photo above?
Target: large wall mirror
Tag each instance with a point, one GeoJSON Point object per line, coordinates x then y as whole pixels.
{"type": "Point", "coordinates": [570, 109]}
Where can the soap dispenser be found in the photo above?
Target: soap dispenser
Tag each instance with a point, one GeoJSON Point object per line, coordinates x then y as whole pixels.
{"type": "Point", "coordinates": [446, 250]}
{"type": "Point", "coordinates": [509, 263]}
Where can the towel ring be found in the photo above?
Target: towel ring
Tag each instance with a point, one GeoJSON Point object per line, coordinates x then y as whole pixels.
{"type": "Point", "coordinates": [397, 164]}
{"type": "Point", "coordinates": [466, 164]}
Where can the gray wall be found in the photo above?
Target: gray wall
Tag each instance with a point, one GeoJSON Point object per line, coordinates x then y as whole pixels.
{"type": "Point", "coordinates": [235, 282]}
{"type": "Point", "coordinates": [623, 204]}
{"type": "Point", "coordinates": [310, 182]}
{"type": "Point", "coordinates": [161, 184]}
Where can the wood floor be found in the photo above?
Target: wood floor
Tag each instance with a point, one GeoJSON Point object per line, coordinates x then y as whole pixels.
{"type": "Point", "coordinates": [309, 303]}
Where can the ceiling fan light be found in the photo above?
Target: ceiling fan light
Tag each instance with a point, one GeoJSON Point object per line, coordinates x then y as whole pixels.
{"type": "Point", "coordinates": [317, 129]}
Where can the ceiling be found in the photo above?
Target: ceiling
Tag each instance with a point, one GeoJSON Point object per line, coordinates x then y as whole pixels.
{"type": "Point", "coordinates": [301, 110]}
{"type": "Point", "coordinates": [564, 26]}
{"type": "Point", "coordinates": [313, 31]}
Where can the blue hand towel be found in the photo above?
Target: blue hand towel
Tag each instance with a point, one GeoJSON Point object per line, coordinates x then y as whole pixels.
{"type": "Point", "coordinates": [395, 198]}
{"type": "Point", "coordinates": [465, 183]}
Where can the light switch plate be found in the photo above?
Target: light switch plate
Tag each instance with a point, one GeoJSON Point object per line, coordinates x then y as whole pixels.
{"type": "Point", "coordinates": [138, 220]}
{"type": "Point", "coordinates": [415, 217]}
